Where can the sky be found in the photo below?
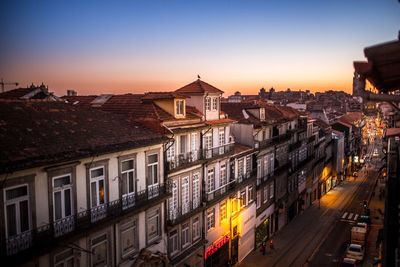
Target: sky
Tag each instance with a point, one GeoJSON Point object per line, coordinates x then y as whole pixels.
{"type": "Point", "coordinates": [139, 46]}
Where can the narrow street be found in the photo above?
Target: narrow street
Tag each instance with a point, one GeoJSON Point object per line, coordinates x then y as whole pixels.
{"type": "Point", "coordinates": [318, 236]}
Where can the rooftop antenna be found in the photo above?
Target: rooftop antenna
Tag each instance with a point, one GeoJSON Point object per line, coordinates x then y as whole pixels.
{"type": "Point", "coordinates": [3, 83]}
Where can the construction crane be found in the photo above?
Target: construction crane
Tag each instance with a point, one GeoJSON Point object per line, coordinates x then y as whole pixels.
{"type": "Point", "coordinates": [3, 84]}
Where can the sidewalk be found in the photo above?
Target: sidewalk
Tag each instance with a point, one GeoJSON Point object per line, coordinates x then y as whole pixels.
{"type": "Point", "coordinates": [377, 208]}
{"type": "Point", "coordinates": [298, 229]}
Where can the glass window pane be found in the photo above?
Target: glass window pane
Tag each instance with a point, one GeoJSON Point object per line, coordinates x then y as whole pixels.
{"type": "Point", "coordinates": [11, 220]}
{"type": "Point", "coordinates": [97, 172]}
{"type": "Point", "coordinates": [94, 194]}
{"type": "Point", "coordinates": [155, 173]}
{"type": "Point", "coordinates": [61, 181]}
{"type": "Point", "coordinates": [57, 205]}
{"type": "Point", "coordinates": [24, 213]}
{"type": "Point", "coordinates": [124, 183]}
{"type": "Point", "coordinates": [101, 191]}
{"type": "Point", "coordinates": [127, 165]}
{"type": "Point", "coordinates": [131, 182]}
{"type": "Point", "coordinates": [16, 192]}
{"type": "Point", "coordinates": [67, 196]}
{"type": "Point", "coordinates": [153, 158]}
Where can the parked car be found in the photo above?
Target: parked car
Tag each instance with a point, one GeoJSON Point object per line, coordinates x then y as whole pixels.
{"type": "Point", "coordinates": [347, 262]}
{"type": "Point", "coordinates": [355, 251]}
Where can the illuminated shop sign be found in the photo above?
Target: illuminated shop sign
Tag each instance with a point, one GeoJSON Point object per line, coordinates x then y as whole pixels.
{"type": "Point", "coordinates": [215, 246]}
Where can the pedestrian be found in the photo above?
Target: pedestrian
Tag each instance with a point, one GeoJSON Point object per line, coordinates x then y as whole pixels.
{"type": "Point", "coordinates": [263, 248]}
{"type": "Point", "coordinates": [271, 245]}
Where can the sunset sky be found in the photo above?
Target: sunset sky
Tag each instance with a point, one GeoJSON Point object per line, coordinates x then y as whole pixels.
{"type": "Point", "coordinates": [137, 46]}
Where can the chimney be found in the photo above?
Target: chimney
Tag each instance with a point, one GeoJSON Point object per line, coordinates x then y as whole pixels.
{"type": "Point", "coordinates": [71, 92]}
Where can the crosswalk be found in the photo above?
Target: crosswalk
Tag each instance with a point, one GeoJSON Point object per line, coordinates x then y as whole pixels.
{"type": "Point", "coordinates": [349, 217]}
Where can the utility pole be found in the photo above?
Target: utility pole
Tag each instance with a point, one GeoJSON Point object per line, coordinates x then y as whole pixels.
{"type": "Point", "coordinates": [3, 84]}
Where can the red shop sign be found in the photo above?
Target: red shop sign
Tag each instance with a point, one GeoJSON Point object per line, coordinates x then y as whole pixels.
{"type": "Point", "coordinates": [215, 246]}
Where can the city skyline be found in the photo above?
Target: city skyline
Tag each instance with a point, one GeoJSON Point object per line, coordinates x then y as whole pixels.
{"type": "Point", "coordinates": [137, 47]}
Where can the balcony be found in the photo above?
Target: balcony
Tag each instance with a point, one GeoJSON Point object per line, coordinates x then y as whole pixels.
{"type": "Point", "coordinates": [183, 160]}
{"type": "Point", "coordinates": [49, 234]}
{"type": "Point", "coordinates": [215, 152]}
{"type": "Point", "coordinates": [243, 177]}
{"type": "Point", "coordinates": [183, 212]}
{"type": "Point", "coordinates": [274, 140]}
{"type": "Point", "coordinates": [264, 179]}
{"type": "Point", "coordinates": [220, 192]}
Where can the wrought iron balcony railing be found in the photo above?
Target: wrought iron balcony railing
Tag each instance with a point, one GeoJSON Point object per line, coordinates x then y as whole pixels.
{"type": "Point", "coordinates": [49, 233]}
{"type": "Point", "coordinates": [214, 194]}
{"type": "Point", "coordinates": [184, 159]}
{"type": "Point", "coordinates": [274, 140]}
{"type": "Point", "coordinates": [173, 215]}
{"type": "Point", "coordinates": [209, 153]}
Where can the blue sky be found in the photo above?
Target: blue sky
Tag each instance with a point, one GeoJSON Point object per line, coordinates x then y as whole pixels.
{"type": "Point", "coordinates": [136, 46]}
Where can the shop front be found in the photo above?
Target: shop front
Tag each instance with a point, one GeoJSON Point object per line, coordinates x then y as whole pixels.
{"type": "Point", "coordinates": [247, 222]}
{"type": "Point", "coordinates": [264, 225]}
{"type": "Point", "coordinates": [217, 254]}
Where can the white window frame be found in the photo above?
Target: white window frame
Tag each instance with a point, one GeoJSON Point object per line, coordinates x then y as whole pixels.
{"type": "Point", "coordinates": [62, 192]}
{"type": "Point", "coordinates": [96, 180]}
{"type": "Point", "coordinates": [210, 180]}
{"type": "Point", "coordinates": [223, 175]}
{"type": "Point", "coordinates": [223, 213]}
{"type": "Point", "coordinates": [195, 229]}
{"type": "Point", "coordinates": [180, 107]}
{"type": "Point", "coordinates": [271, 190]}
{"type": "Point", "coordinates": [258, 200]}
{"type": "Point", "coordinates": [210, 219]}
{"type": "Point", "coordinates": [196, 190]}
{"type": "Point", "coordinates": [174, 241]}
{"type": "Point", "coordinates": [171, 151]}
{"type": "Point", "coordinates": [250, 193]}
{"type": "Point", "coordinates": [153, 177]}
{"type": "Point", "coordinates": [185, 195]}
{"type": "Point", "coordinates": [214, 103]}
{"type": "Point", "coordinates": [265, 192]}
{"type": "Point", "coordinates": [208, 103]}
{"type": "Point", "coordinates": [174, 201]}
{"type": "Point", "coordinates": [208, 142]}
{"type": "Point", "coordinates": [243, 198]}
{"type": "Point", "coordinates": [221, 137]}
{"type": "Point", "coordinates": [16, 202]}
{"type": "Point", "coordinates": [127, 172]}
{"type": "Point", "coordinates": [185, 235]}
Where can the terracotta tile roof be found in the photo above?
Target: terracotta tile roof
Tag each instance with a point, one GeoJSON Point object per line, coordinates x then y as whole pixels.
{"type": "Point", "coordinates": [16, 93]}
{"type": "Point", "coordinates": [161, 95]}
{"type": "Point", "coordinates": [82, 100]}
{"type": "Point", "coordinates": [198, 87]}
{"type": "Point", "coordinates": [321, 124]}
{"type": "Point", "coordinates": [220, 121]}
{"type": "Point", "coordinates": [37, 133]}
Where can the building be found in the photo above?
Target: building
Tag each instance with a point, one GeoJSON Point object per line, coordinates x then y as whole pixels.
{"type": "Point", "coordinates": [76, 192]}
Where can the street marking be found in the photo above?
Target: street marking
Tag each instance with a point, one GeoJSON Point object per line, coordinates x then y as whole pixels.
{"type": "Point", "coordinates": [344, 215]}
{"type": "Point", "coordinates": [355, 217]}
{"type": "Point", "coordinates": [350, 216]}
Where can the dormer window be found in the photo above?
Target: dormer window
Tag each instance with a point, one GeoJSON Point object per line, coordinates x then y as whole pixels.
{"type": "Point", "coordinates": [180, 107]}
{"type": "Point", "coordinates": [262, 114]}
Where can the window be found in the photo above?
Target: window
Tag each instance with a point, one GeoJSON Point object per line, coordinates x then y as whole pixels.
{"type": "Point", "coordinates": [243, 200]}
{"type": "Point", "coordinates": [208, 103]}
{"type": "Point", "coordinates": [152, 169]}
{"type": "Point", "coordinates": [196, 190]}
{"type": "Point", "coordinates": [248, 164]}
{"type": "Point", "coordinates": [153, 225]}
{"type": "Point", "coordinates": [17, 210]}
{"type": "Point", "coordinates": [64, 259]}
{"type": "Point", "coordinates": [185, 235]}
{"type": "Point", "coordinates": [262, 114]}
{"type": "Point", "coordinates": [173, 201]}
{"type": "Point", "coordinates": [170, 151]}
{"type": "Point", "coordinates": [271, 190]}
{"type": "Point", "coordinates": [265, 194]}
{"type": "Point", "coordinates": [258, 199]}
{"type": "Point", "coordinates": [266, 165]}
{"type": "Point", "coordinates": [185, 195]}
{"type": "Point", "coordinates": [208, 141]}
{"type": "Point", "coordinates": [97, 186]}
{"type": "Point", "coordinates": [196, 228]}
{"type": "Point", "coordinates": [183, 144]}
{"type": "Point", "coordinates": [259, 175]}
{"type": "Point", "coordinates": [221, 137]}
{"type": "Point", "coordinates": [129, 237]}
{"type": "Point", "coordinates": [128, 177]}
{"type": "Point", "coordinates": [180, 107]}
{"type": "Point", "coordinates": [222, 211]}
{"type": "Point", "coordinates": [210, 219]}
{"type": "Point", "coordinates": [173, 242]}
{"type": "Point", "coordinates": [271, 163]}
{"type": "Point", "coordinates": [222, 174]}
{"type": "Point", "coordinates": [215, 103]}
{"type": "Point", "coordinates": [251, 193]}
{"type": "Point", "coordinates": [100, 251]}
{"type": "Point", "coordinates": [210, 180]}
{"type": "Point", "coordinates": [62, 197]}
{"type": "Point", "coordinates": [240, 167]}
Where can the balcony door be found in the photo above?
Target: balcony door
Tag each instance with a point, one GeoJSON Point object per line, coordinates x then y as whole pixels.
{"type": "Point", "coordinates": [62, 205]}
{"type": "Point", "coordinates": [128, 180]}
{"type": "Point", "coordinates": [173, 201]}
{"type": "Point", "coordinates": [152, 175]}
{"type": "Point", "coordinates": [196, 190]}
{"type": "Point", "coordinates": [97, 193]}
{"type": "Point", "coordinates": [185, 195]}
{"type": "Point", "coordinates": [193, 146]}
